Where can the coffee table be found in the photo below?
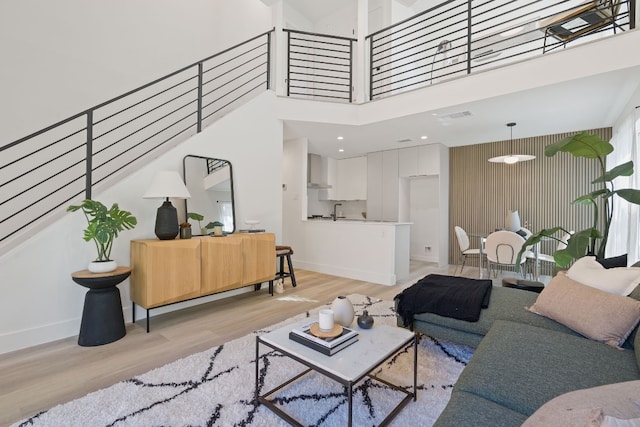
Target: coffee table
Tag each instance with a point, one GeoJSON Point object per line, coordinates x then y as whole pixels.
{"type": "Point", "coordinates": [347, 367]}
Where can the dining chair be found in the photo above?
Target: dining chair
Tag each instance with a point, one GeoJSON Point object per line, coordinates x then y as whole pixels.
{"type": "Point", "coordinates": [501, 249]}
{"type": "Point", "coordinates": [466, 250]}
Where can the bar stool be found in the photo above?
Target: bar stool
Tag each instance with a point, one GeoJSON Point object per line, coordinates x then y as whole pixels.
{"type": "Point", "coordinates": [283, 252]}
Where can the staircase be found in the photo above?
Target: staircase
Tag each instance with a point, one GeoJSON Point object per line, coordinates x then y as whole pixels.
{"type": "Point", "coordinates": [42, 173]}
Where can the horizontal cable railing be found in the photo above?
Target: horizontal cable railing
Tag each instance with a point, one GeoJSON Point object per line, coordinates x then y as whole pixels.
{"type": "Point", "coordinates": [319, 66]}
{"type": "Point", "coordinates": [458, 37]}
{"type": "Point", "coordinates": [43, 172]}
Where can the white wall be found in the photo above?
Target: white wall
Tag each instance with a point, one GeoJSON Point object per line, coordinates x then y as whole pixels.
{"type": "Point", "coordinates": [41, 303]}
{"type": "Point", "coordinates": [61, 57]}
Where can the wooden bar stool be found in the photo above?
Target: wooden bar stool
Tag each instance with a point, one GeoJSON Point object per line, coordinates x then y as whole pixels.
{"type": "Point", "coordinates": [283, 252]}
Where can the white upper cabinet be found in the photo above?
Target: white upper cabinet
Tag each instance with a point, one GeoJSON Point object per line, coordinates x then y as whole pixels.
{"type": "Point", "coordinates": [348, 179]}
{"type": "Point", "coordinates": [351, 179]}
{"type": "Point", "coordinates": [382, 186]}
{"type": "Point", "coordinates": [419, 161]}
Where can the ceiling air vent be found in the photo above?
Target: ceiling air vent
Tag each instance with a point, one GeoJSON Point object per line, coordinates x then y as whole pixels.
{"type": "Point", "coordinates": [458, 115]}
{"type": "Point", "coordinates": [404, 141]}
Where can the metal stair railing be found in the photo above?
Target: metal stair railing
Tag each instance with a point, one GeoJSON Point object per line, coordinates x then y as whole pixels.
{"type": "Point", "coordinates": [319, 66]}
{"type": "Point", "coordinates": [458, 37]}
{"type": "Point", "coordinates": [42, 172]}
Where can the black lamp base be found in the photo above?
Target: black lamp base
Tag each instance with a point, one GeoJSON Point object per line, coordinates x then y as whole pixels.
{"type": "Point", "coordinates": [167, 221]}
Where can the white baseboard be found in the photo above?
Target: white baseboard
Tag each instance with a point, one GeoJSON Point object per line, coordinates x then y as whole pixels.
{"type": "Point", "coordinates": [365, 276]}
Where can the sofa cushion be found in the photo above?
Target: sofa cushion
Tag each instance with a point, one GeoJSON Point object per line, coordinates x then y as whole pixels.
{"type": "Point", "coordinates": [577, 408]}
{"type": "Point", "coordinates": [522, 367]}
{"type": "Point", "coordinates": [620, 280]}
{"type": "Point", "coordinates": [596, 314]}
{"type": "Point", "coordinates": [505, 304]}
{"type": "Point", "coordinates": [469, 410]}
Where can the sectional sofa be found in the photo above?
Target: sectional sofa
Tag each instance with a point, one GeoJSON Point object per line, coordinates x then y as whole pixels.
{"type": "Point", "coordinates": [530, 369]}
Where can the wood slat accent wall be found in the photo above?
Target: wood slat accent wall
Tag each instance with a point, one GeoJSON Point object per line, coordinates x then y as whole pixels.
{"type": "Point", "coordinates": [541, 190]}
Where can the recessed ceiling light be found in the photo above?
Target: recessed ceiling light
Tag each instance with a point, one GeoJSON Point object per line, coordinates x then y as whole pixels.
{"type": "Point", "coordinates": [341, 150]}
{"type": "Point", "coordinates": [424, 137]}
{"type": "Point", "coordinates": [340, 138]}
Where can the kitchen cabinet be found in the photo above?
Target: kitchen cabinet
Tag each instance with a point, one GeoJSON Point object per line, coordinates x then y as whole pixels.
{"type": "Point", "coordinates": [382, 186]}
{"type": "Point", "coordinates": [351, 179]}
{"type": "Point", "coordinates": [419, 161]}
{"type": "Point", "coordinates": [348, 179]}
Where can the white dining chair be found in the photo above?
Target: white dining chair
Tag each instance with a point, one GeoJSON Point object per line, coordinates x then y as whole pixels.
{"type": "Point", "coordinates": [466, 250]}
{"type": "Point", "coordinates": [501, 249]}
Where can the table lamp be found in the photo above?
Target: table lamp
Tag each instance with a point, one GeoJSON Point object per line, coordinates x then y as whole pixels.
{"type": "Point", "coordinates": [167, 184]}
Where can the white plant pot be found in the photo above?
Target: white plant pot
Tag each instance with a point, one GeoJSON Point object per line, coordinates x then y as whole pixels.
{"type": "Point", "coordinates": [102, 266]}
{"type": "Point", "coordinates": [343, 312]}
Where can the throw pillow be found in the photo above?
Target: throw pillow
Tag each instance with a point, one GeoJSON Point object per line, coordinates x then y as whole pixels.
{"type": "Point", "coordinates": [596, 314]}
{"type": "Point", "coordinates": [620, 280]}
{"type": "Point", "coordinates": [590, 407]}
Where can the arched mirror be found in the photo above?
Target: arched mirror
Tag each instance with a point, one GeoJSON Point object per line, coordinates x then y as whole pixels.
{"type": "Point", "coordinates": [210, 182]}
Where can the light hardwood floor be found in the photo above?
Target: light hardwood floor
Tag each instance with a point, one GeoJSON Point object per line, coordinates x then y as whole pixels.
{"type": "Point", "coordinates": [38, 378]}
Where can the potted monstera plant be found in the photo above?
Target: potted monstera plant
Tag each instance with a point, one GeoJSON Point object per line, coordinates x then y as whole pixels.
{"type": "Point", "coordinates": [103, 227]}
{"type": "Point", "coordinates": [592, 240]}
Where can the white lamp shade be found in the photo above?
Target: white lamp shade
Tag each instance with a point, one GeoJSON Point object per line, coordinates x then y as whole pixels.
{"type": "Point", "coordinates": [512, 221]}
{"type": "Point", "coordinates": [167, 184]}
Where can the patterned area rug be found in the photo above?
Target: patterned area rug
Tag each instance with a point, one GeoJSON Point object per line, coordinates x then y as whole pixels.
{"type": "Point", "coordinates": [216, 388]}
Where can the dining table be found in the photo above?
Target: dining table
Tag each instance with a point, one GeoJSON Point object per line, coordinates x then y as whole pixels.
{"type": "Point", "coordinates": [482, 238]}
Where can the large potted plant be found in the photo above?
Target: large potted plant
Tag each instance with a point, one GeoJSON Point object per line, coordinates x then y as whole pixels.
{"type": "Point", "coordinates": [103, 227]}
{"type": "Point", "coordinates": [592, 240]}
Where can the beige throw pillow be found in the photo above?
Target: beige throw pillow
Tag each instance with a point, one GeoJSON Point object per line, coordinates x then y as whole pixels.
{"type": "Point", "coordinates": [596, 314]}
{"type": "Point", "coordinates": [597, 406]}
{"type": "Point", "coordinates": [618, 280]}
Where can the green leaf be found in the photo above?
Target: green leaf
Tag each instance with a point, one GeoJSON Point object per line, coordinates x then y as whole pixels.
{"type": "Point", "coordinates": [580, 145]}
{"type": "Point", "coordinates": [195, 216]}
{"type": "Point", "coordinates": [625, 169]}
{"type": "Point", "coordinates": [630, 195]}
{"type": "Point", "coordinates": [562, 258]}
{"type": "Point", "coordinates": [578, 244]}
{"type": "Point", "coordinates": [585, 200]}
{"type": "Point", "coordinates": [103, 225]}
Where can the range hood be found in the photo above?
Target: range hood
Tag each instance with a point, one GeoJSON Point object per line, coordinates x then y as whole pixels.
{"type": "Point", "coordinates": [317, 171]}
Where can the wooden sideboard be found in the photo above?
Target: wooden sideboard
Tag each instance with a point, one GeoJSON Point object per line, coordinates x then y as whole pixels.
{"type": "Point", "coordinates": [169, 271]}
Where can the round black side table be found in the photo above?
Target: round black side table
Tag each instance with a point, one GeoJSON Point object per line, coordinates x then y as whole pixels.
{"type": "Point", "coordinates": [102, 319]}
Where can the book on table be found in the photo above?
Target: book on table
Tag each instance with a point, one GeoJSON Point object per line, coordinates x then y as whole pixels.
{"type": "Point", "coordinates": [328, 345]}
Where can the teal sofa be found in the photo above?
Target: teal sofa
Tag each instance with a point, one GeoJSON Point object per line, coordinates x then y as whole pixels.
{"type": "Point", "coordinates": [522, 360]}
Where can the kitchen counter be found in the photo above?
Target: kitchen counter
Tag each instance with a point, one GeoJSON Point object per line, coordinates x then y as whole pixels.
{"type": "Point", "coordinates": [372, 251]}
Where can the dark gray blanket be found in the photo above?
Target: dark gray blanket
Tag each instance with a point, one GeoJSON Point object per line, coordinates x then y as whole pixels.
{"type": "Point", "coordinates": [449, 296]}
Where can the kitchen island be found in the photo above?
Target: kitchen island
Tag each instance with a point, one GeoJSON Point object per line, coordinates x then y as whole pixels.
{"type": "Point", "coordinates": [372, 251]}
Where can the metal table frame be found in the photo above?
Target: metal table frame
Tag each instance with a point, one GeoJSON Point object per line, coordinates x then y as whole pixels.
{"type": "Point", "coordinates": [347, 384]}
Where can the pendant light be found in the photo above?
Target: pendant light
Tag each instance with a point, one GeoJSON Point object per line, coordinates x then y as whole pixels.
{"type": "Point", "coordinates": [512, 158]}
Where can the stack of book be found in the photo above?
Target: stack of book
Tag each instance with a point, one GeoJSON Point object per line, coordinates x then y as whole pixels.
{"type": "Point", "coordinates": [328, 346]}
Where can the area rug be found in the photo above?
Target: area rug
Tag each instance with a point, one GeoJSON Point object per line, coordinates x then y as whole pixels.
{"type": "Point", "coordinates": [216, 388]}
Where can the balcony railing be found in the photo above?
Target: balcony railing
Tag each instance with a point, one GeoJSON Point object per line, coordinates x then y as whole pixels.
{"type": "Point", "coordinates": [44, 171]}
{"type": "Point", "coordinates": [319, 66]}
{"type": "Point", "coordinates": [458, 37]}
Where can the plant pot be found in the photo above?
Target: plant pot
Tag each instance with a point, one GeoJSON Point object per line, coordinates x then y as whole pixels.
{"type": "Point", "coordinates": [102, 266]}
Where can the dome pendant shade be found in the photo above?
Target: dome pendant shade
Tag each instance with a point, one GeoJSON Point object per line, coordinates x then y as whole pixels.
{"type": "Point", "coordinates": [512, 158]}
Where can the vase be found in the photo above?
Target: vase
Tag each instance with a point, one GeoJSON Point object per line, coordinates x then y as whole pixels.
{"type": "Point", "coordinates": [185, 233]}
{"type": "Point", "coordinates": [343, 312]}
{"type": "Point", "coordinates": [102, 266]}
{"type": "Point", "coordinates": [365, 321]}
